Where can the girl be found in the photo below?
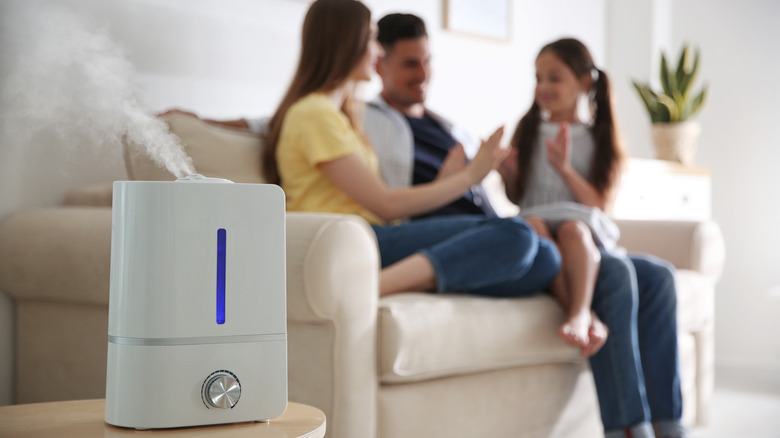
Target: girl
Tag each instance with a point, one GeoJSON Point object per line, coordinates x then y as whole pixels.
{"type": "Point", "coordinates": [564, 172]}
{"type": "Point", "coordinates": [317, 152]}
{"type": "Point", "coordinates": [561, 190]}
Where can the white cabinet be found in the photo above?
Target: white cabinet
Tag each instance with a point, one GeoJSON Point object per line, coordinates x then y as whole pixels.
{"type": "Point", "coordinates": [655, 189]}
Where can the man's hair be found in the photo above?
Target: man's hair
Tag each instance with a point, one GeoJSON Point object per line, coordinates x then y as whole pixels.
{"type": "Point", "coordinates": [394, 27]}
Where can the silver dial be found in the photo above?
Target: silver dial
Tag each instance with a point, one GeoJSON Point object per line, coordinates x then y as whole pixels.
{"type": "Point", "coordinates": [221, 390]}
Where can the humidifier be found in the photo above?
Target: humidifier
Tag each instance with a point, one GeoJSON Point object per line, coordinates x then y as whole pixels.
{"type": "Point", "coordinates": [197, 326]}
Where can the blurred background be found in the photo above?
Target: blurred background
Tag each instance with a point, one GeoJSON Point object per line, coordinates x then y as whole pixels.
{"type": "Point", "coordinates": [234, 58]}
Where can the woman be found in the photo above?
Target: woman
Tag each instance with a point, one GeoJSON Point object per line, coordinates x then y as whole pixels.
{"type": "Point", "coordinates": [318, 154]}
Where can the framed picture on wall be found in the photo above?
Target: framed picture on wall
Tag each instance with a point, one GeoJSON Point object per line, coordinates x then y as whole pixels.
{"type": "Point", "coordinates": [484, 18]}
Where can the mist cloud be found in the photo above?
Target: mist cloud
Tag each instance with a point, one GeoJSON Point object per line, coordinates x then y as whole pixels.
{"type": "Point", "coordinates": [63, 75]}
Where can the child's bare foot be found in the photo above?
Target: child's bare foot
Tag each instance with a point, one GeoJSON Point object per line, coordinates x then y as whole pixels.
{"type": "Point", "coordinates": [575, 329]}
{"type": "Point", "coordinates": [597, 336]}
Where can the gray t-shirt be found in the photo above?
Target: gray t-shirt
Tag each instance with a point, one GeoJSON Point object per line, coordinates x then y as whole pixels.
{"type": "Point", "coordinates": [548, 197]}
{"type": "Point", "coordinates": [546, 185]}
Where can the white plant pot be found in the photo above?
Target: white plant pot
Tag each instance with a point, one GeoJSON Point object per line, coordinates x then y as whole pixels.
{"type": "Point", "coordinates": [676, 141]}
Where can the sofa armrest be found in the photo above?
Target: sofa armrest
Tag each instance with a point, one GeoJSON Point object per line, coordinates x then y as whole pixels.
{"type": "Point", "coordinates": [332, 306]}
{"type": "Point", "coordinates": [694, 245]}
{"type": "Point", "coordinates": [332, 269]}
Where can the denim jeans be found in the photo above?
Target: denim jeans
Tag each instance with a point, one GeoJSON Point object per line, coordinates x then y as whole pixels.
{"type": "Point", "coordinates": [497, 257]}
{"type": "Point", "coordinates": [637, 371]}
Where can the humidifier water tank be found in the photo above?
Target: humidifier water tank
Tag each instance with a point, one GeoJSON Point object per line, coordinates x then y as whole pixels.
{"type": "Point", "coordinates": [197, 325]}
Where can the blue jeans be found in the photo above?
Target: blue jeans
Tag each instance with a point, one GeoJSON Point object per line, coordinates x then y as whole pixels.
{"type": "Point", "coordinates": [488, 256]}
{"type": "Point", "coordinates": [637, 371]}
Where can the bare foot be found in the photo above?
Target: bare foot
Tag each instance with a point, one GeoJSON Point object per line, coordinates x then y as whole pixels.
{"type": "Point", "coordinates": [597, 336]}
{"type": "Point", "coordinates": [575, 329]}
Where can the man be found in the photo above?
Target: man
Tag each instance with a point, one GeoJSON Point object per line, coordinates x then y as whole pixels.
{"type": "Point", "coordinates": [413, 143]}
{"type": "Point", "coordinates": [636, 372]}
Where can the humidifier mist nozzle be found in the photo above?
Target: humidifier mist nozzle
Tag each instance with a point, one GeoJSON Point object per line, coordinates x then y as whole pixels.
{"type": "Point", "coordinates": [196, 177]}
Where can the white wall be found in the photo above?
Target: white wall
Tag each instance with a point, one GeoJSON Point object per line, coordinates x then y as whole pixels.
{"type": "Point", "coordinates": [740, 143]}
{"type": "Point", "coordinates": [636, 32]}
{"type": "Point", "coordinates": [232, 58]}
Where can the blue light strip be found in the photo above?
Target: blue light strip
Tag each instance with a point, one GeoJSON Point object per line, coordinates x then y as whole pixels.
{"type": "Point", "coordinates": [221, 248]}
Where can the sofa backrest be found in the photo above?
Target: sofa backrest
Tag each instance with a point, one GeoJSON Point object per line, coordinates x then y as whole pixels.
{"type": "Point", "coordinates": [216, 151]}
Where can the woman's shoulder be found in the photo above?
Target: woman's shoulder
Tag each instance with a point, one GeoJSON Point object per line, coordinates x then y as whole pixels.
{"type": "Point", "coordinates": [311, 104]}
{"type": "Point", "coordinates": [314, 107]}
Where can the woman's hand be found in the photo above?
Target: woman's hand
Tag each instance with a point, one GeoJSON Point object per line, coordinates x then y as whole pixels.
{"type": "Point", "coordinates": [238, 123]}
{"type": "Point", "coordinates": [559, 150]}
{"type": "Point", "coordinates": [489, 157]}
{"type": "Point", "coordinates": [455, 162]}
{"type": "Point", "coordinates": [351, 175]}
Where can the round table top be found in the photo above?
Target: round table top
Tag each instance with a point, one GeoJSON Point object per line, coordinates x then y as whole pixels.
{"type": "Point", "coordinates": [85, 418]}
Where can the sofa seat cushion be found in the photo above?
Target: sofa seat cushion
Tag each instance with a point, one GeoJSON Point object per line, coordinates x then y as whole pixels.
{"type": "Point", "coordinates": [425, 336]}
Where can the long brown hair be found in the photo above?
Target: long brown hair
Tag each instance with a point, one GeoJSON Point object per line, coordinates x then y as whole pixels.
{"type": "Point", "coordinates": [609, 154]}
{"type": "Point", "coordinates": [335, 37]}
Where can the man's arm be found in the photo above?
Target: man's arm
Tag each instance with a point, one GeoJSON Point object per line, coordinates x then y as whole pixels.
{"type": "Point", "coordinates": [238, 123]}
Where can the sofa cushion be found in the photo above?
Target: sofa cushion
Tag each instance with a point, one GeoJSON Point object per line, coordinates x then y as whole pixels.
{"type": "Point", "coordinates": [96, 195]}
{"type": "Point", "coordinates": [60, 255]}
{"type": "Point", "coordinates": [216, 151]}
{"type": "Point", "coordinates": [425, 336]}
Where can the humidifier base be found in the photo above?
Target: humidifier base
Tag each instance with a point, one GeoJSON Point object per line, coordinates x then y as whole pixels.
{"type": "Point", "coordinates": [168, 383]}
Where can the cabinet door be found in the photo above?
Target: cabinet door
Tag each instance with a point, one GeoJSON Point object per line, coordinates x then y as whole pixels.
{"type": "Point", "coordinates": [653, 189]}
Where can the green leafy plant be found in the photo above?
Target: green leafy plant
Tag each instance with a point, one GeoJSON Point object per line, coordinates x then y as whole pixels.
{"type": "Point", "coordinates": [674, 103]}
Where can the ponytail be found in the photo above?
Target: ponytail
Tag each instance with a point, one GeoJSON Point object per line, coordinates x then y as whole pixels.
{"type": "Point", "coordinates": [523, 139]}
{"type": "Point", "coordinates": [609, 155]}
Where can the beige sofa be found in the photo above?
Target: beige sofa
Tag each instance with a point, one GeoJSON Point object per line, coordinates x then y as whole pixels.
{"type": "Point", "coordinates": [410, 365]}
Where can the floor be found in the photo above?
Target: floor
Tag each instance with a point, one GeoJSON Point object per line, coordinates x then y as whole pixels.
{"type": "Point", "coordinates": [743, 408]}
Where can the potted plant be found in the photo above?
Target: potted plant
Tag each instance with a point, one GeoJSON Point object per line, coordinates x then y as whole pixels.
{"type": "Point", "coordinates": [674, 135]}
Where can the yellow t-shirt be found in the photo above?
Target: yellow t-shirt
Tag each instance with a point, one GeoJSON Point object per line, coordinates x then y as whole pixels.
{"type": "Point", "coordinates": [314, 132]}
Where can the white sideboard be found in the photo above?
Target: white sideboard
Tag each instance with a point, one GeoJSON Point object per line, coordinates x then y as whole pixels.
{"type": "Point", "coordinates": [663, 190]}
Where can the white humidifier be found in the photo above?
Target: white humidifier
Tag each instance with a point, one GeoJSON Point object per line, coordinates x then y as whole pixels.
{"type": "Point", "coordinates": [197, 326]}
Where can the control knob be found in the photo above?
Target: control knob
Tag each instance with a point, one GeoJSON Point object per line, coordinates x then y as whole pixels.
{"type": "Point", "coordinates": [221, 390]}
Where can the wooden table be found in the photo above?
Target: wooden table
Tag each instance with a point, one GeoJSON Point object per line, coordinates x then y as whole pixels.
{"type": "Point", "coordinates": [85, 418]}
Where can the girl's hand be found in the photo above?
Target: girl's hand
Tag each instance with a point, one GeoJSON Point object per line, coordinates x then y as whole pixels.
{"type": "Point", "coordinates": [489, 157]}
{"type": "Point", "coordinates": [454, 163]}
{"type": "Point", "coordinates": [559, 149]}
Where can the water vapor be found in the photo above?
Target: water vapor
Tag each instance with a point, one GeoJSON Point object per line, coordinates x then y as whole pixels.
{"type": "Point", "coordinates": [64, 75]}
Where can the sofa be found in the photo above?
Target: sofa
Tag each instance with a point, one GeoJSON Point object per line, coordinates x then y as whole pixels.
{"type": "Point", "coordinates": [409, 365]}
